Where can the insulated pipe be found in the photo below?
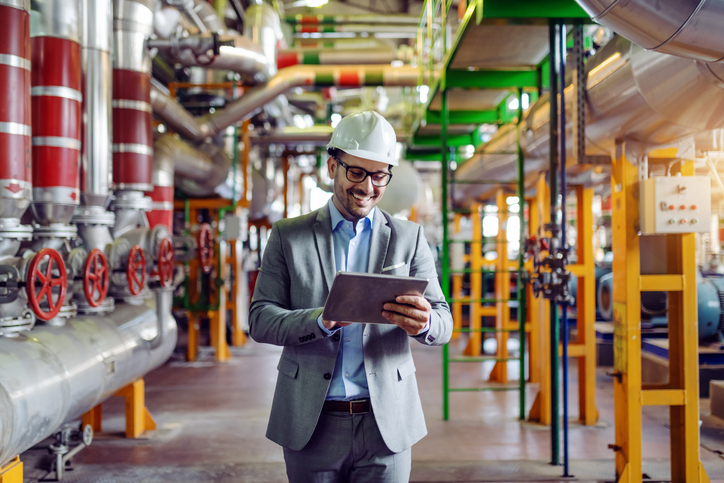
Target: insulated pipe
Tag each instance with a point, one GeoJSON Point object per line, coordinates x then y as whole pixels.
{"type": "Point", "coordinates": [172, 113]}
{"type": "Point", "coordinates": [56, 105]}
{"type": "Point", "coordinates": [132, 139]}
{"type": "Point", "coordinates": [350, 19]}
{"type": "Point", "coordinates": [687, 28]}
{"type": "Point", "coordinates": [55, 374]}
{"type": "Point", "coordinates": [245, 58]}
{"type": "Point", "coordinates": [208, 17]}
{"type": "Point", "coordinates": [292, 136]}
{"type": "Point", "coordinates": [97, 76]}
{"type": "Point", "coordinates": [161, 213]}
{"type": "Point", "coordinates": [391, 31]}
{"type": "Point", "coordinates": [15, 126]}
{"type": "Point", "coordinates": [625, 99]}
{"type": "Point", "coordinates": [287, 58]}
{"type": "Point", "coordinates": [262, 26]}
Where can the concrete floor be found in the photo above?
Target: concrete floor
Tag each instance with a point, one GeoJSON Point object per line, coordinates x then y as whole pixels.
{"type": "Point", "coordinates": [212, 417]}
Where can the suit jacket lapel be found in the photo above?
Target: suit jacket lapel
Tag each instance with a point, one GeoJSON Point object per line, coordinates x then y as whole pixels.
{"type": "Point", "coordinates": [379, 241]}
{"type": "Point", "coordinates": [323, 238]}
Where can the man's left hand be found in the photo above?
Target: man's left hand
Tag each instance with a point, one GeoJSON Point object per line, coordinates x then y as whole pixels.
{"type": "Point", "coordinates": [410, 313]}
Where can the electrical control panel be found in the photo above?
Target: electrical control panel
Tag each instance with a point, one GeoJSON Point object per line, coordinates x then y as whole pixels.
{"type": "Point", "coordinates": [675, 204]}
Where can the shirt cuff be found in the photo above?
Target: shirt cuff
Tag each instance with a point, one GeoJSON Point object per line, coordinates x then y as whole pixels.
{"type": "Point", "coordinates": [328, 332]}
{"type": "Point", "coordinates": [425, 329]}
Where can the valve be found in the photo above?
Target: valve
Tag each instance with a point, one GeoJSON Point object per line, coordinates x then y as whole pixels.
{"type": "Point", "coordinates": [95, 278]}
{"type": "Point", "coordinates": [40, 283]}
{"type": "Point", "coordinates": [205, 243]}
{"type": "Point", "coordinates": [165, 262]}
{"type": "Point", "coordinates": [136, 270]}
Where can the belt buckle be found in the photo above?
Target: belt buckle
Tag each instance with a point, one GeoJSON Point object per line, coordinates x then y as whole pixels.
{"type": "Point", "coordinates": [359, 401]}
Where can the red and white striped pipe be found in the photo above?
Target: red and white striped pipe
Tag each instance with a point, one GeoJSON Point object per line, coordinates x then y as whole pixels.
{"type": "Point", "coordinates": [56, 110]}
{"type": "Point", "coordinates": [132, 138]}
{"type": "Point", "coordinates": [15, 127]}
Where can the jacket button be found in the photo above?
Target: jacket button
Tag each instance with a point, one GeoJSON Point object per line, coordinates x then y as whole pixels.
{"type": "Point", "coordinates": [301, 339]}
{"type": "Point", "coordinates": [327, 376]}
{"type": "Point", "coordinates": [336, 337]}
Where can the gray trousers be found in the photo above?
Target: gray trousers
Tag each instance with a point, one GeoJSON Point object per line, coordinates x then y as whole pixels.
{"type": "Point", "coordinates": [347, 448]}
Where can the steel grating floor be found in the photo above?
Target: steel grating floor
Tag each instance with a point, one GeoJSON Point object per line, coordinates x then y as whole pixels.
{"type": "Point", "coordinates": [212, 417]}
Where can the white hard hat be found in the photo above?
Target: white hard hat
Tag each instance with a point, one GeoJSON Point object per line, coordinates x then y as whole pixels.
{"type": "Point", "coordinates": [366, 135]}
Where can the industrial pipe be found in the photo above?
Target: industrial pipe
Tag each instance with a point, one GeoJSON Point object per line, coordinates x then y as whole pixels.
{"type": "Point", "coordinates": [262, 26]}
{"type": "Point", "coordinates": [625, 99]}
{"type": "Point", "coordinates": [15, 128]}
{"type": "Point", "coordinates": [164, 150]}
{"type": "Point", "coordinates": [172, 113]}
{"type": "Point", "coordinates": [352, 19]}
{"type": "Point", "coordinates": [389, 31]}
{"type": "Point", "coordinates": [287, 58]}
{"type": "Point", "coordinates": [55, 374]}
{"type": "Point", "coordinates": [56, 105]}
{"type": "Point", "coordinates": [686, 28]}
{"type": "Point", "coordinates": [132, 139]}
{"type": "Point", "coordinates": [97, 31]}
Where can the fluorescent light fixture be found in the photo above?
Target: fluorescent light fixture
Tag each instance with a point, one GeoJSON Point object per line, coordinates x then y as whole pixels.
{"type": "Point", "coordinates": [335, 118]}
{"type": "Point", "coordinates": [308, 3]}
{"type": "Point", "coordinates": [513, 104]}
{"type": "Point", "coordinates": [424, 91]}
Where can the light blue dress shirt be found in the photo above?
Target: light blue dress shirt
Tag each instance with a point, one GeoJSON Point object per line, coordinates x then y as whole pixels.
{"type": "Point", "coordinates": [351, 254]}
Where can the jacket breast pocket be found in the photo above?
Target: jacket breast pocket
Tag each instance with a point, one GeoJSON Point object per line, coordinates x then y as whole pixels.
{"type": "Point", "coordinates": [400, 268]}
{"type": "Point", "coordinates": [405, 369]}
{"type": "Point", "coordinates": [288, 367]}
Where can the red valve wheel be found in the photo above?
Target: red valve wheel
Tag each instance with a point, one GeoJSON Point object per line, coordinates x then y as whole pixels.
{"type": "Point", "coordinates": [95, 278]}
{"type": "Point", "coordinates": [206, 248]}
{"type": "Point", "coordinates": [136, 270]}
{"type": "Point", "coordinates": [165, 262]}
{"type": "Point", "coordinates": [40, 283]}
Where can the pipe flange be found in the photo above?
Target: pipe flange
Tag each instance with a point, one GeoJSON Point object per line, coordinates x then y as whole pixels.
{"type": "Point", "coordinates": [12, 229]}
{"type": "Point", "coordinates": [131, 200]}
{"type": "Point", "coordinates": [66, 311]}
{"type": "Point", "coordinates": [139, 299]}
{"type": "Point", "coordinates": [56, 230]}
{"type": "Point", "coordinates": [12, 326]}
{"type": "Point", "coordinates": [106, 306]}
{"type": "Point", "coordinates": [93, 215]}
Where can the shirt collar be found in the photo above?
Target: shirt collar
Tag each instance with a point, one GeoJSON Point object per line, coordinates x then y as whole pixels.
{"type": "Point", "coordinates": [337, 217]}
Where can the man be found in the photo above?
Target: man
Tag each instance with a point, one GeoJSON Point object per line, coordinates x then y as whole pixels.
{"type": "Point", "coordinates": [346, 405]}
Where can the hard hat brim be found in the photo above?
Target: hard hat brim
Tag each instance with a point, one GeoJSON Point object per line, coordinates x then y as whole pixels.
{"type": "Point", "coordinates": [361, 153]}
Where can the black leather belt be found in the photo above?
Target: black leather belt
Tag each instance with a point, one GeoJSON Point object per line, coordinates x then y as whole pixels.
{"type": "Point", "coordinates": [360, 406]}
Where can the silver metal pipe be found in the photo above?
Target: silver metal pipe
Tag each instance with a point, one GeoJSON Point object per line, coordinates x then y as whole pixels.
{"type": "Point", "coordinates": [208, 17]}
{"type": "Point", "coordinates": [96, 36]}
{"type": "Point", "coordinates": [245, 58]}
{"type": "Point", "coordinates": [687, 28]}
{"type": "Point", "coordinates": [262, 26]}
{"type": "Point", "coordinates": [625, 100]}
{"type": "Point", "coordinates": [286, 58]}
{"type": "Point", "coordinates": [55, 374]}
{"type": "Point", "coordinates": [307, 76]}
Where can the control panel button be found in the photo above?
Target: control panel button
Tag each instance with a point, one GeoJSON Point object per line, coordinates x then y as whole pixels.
{"type": "Point", "coordinates": [682, 207]}
{"type": "Point", "coordinates": [682, 221]}
{"type": "Point", "coordinates": [694, 207]}
{"type": "Point", "coordinates": [672, 221]}
{"type": "Point", "coordinates": [693, 222]}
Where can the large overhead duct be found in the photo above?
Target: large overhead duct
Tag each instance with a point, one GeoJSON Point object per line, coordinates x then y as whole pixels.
{"type": "Point", "coordinates": [336, 56]}
{"type": "Point", "coordinates": [687, 28]}
{"type": "Point", "coordinates": [262, 26]}
{"type": "Point", "coordinates": [626, 100]}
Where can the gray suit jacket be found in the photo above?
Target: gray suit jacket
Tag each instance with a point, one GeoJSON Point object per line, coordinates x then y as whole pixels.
{"type": "Point", "coordinates": [295, 276]}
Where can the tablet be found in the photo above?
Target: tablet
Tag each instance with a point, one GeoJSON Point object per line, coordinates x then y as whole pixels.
{"type": "Point", "coordinates": [359, 297]}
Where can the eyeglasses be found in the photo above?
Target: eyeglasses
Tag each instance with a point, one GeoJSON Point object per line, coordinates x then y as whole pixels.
{"type": "Point", "coordinates": [358, 175]}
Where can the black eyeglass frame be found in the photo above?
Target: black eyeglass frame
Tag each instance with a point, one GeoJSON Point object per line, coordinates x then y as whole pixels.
{"type": "Point", "coordinates": [367, 173]}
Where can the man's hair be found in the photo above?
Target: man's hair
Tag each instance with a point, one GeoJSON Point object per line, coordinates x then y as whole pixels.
{"type": "Point", "coordinates": [336, 153]}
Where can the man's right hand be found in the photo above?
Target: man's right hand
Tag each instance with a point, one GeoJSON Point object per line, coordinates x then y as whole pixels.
{"type": "Point", "coordinates": [330, 324]}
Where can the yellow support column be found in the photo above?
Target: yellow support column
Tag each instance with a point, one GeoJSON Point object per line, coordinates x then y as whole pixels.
{"type": "Point", "coordinates": [238, 338]}
{"type": "Point", "coordinates": [474, 347]}
{"type": "Point", "coordinates": [540, 312]}
{"type": "Point", "coordinates": [683, 357]}
{"type": "Point", "coordinates": [138, 418]}
{"type": "Point", "coordinates": [12, 472]}
{"type": "Point", "coordinates": [586, 308]}
{"type": "Point", "coordinates": [217, 318]}
{"type": "Point", "coordinates": [626, 317]}
{"type": "Point", "coordinates": [192, 345]}
{"type": "Point", "coordinates": [502, 292]}
{"type": "Point", "coordinates": [457, 262]}
{"type": "Point", "coordinates": [94, 418]}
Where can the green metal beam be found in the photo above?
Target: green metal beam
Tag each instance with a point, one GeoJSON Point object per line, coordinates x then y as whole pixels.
{"type": "Point", "coordinates": [533, 9]}
{"type": "Point", "coordinates": [492, 79]}
{"type": "Point", "coordinates": [463, 117]}
{"type": "Point", "coordinates": [436, 140]}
